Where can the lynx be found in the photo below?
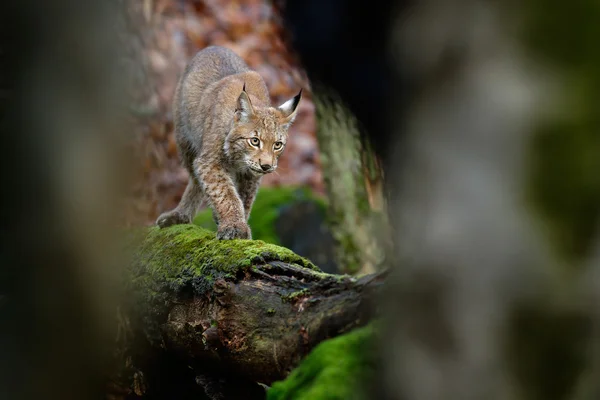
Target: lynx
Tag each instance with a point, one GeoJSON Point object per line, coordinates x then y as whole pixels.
{"type": "Point", "coordinates": [228, 136]}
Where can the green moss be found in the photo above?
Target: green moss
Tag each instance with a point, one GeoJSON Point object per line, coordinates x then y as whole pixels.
{"type": "Point", "coordinates": [265, 211]}
{"type": "Point", "coordinates": [294, 295]}
{"type": "Point", "coordinates": [334, 370]}
{"type": "Point", "coordinates": [189, 259]}
{"type": "Point", "coordinates": [565, 153]}
{"type": "Point", "coordinates": [203, 253]}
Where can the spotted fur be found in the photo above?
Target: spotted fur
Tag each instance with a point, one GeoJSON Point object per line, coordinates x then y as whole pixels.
{"type": "Point", "coordinates": [228, 137]}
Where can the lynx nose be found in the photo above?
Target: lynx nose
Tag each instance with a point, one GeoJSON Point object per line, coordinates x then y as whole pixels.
{"type": "Point", "coordinates": [265, 167]}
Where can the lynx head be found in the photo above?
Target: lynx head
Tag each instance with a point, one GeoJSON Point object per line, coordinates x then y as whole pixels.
{"type": "Point", "coordinates": [259, 134]}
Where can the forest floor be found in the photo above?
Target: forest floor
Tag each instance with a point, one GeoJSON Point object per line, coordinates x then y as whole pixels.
{"type": "Point", "coordinates": [174, 32]}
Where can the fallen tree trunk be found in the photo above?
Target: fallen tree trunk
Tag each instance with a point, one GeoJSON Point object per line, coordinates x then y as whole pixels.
{"type": "Point", "coordinates": [245, 308]}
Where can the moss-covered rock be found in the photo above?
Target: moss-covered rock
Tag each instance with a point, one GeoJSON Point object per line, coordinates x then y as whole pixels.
{"type": "Point", "coordinates": [336, 370]}
{"type": "Point", "coordinates": [266, 210]}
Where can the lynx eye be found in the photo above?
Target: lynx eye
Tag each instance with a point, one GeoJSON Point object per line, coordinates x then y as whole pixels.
{"type": "Point", "coordinates": [277, 145]}
{"type": "Point", "coordinates": [254, 141]}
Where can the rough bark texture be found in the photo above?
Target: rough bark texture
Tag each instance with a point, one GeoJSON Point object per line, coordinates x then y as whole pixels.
{"type": "Point", "coordinates": [243, 308]}
{"type": "Point", "coordinates": [354, 181]}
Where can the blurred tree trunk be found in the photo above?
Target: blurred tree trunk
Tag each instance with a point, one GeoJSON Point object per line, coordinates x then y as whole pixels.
{"type": "Point", "coordinates": [498, 211]}
{"type": "Point", "coordinates": [353, 178]}
{"type": "Point", "coordinates": [61, 177]}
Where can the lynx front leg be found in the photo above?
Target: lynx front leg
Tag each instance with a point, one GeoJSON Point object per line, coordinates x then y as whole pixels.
{"type": "Point", "coordinates": [225, 203]}
{"type": "Point", "coordinates": [184, 212]}
{"type": "Point", "coordinates": [248, 189]}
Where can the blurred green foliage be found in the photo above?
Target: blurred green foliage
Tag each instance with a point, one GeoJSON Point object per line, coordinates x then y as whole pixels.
{"type": "Point", "coordinates": [265, 211]}
{"type": "Point", "coordinates": [565, 153]}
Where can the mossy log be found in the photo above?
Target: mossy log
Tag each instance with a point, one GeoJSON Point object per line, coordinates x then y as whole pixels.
{"type": "Point", "coordinates": [246, 307]}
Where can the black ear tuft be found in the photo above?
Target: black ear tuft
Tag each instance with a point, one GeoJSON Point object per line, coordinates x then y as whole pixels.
{"type": "Point", "coordinates": [290, 107]}
{"type": "Point", "coordinates": [296, 101]}
{"type": "Point", "coordinates": [244, 88]}
{"type": "Point", "coordinates": [297, 98]}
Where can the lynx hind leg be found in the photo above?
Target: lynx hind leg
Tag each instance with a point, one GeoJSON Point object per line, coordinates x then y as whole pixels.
{"type": "Point", "coordinates": [187, 208]}
{"type": "Point", "coordinates": [173, 217]}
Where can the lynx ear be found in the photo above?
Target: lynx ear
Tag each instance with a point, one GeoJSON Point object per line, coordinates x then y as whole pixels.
{"type": "Point", "coordinates": [289, 108]}
{"type": "Point", "coordinates": [243, 109]}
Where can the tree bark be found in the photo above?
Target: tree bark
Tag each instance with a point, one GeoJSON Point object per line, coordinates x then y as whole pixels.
{"type": "Point", "coordinates": [243, 308]}
{"type": "Point", "coordinates": [354, 181]}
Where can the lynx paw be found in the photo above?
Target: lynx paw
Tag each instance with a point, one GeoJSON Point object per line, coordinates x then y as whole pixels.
{"type": "Point", "coordinates": [234, 231]}
{"type": "Point", "coordinates": [172, 218]}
